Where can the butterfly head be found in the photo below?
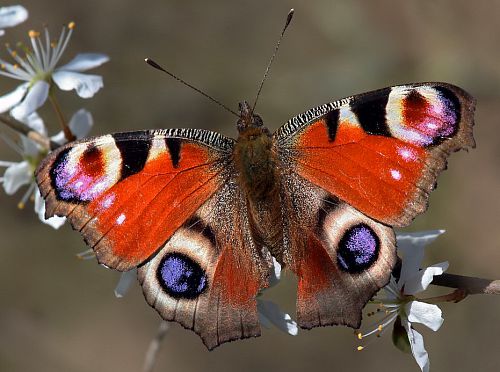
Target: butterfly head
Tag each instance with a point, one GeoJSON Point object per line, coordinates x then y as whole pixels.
{"type": "Point", "coordinates": [248, 120]}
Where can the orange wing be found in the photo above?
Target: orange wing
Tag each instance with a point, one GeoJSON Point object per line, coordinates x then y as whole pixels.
{"type": "Point", "coordinates": [127, 193]}
{"type": "Point", "coordinates": [377, 153]}
{"type": "Point", "coordinates": [381, 151]}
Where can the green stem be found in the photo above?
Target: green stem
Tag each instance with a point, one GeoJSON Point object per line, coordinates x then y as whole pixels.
{"type": "Point", "coordinates": [25, 130]}
{"type": "Point", "coordinates": [67, 132]}
{"type": "Point", "coordinates": [456, 296]}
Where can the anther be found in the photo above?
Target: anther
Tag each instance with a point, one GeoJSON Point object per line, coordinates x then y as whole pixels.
{"type": "Point", "coordinates": [33, 34]}
{"type": "Point", "coordinates": [71, 25]}
{"type": "Point", "coordinates": [20, 205]}
{"type": "Point", "coordinates": [360, 348]}
{"type": "Point", "coordinates": [360, 336]}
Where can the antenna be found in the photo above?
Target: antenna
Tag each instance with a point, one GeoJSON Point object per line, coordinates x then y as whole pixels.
{"type": "Point", "coordinates": [287, 22]}
{"type": "Point", "coordinates": [152, 63]}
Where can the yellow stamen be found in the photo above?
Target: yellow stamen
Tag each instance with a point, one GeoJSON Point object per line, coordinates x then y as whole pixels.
{"type": "Point", "coordinates": [380, 328]}
{"type": "Point", "coordinates": [16, 66]}
{"type": "Point", "coordinates": [360, 348]}
{"type": "Point", "coordinates": [20, 205]}
{"type": "Point", "coordinates": [360, 336]}
{"type": "Point", "coordinates": [53, 44]}
{"type": "Point", "coordinates": [33, 34]}
{"type": "Point", "coordinates": [85, 255]}
{"type": "Point", "coordinates": [3, 66]}
{"type": "Point", "coordinates": [13, 54]}
{"type": "Point", "coordinates": [71, 25]}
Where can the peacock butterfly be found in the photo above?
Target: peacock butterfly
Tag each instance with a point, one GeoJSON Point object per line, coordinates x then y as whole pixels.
{"type": "Point", "coordinates": [201, 215]}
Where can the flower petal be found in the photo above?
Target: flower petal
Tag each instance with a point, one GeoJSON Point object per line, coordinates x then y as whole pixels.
{"type": "Point", "coordinates": [55, 222]}
{"type": "Point", "coordinates": [12, 15]}
{"type": "Point", "coordinates": [275, 274]}
{"type": "Point", "coordinates": [412, 246]}
{"type": "Point", "coordinates": [417, 347]}
{"type": "Point", "coordinates": [36, 97]}
{"type": "Point", "coordinates": [35, 122]}
{"type": "Point", "coordinates": [421, 280]}
{"type": "Point", "coordinates": [126, 280]}
{"type": "Point", "coordinates": [85, 85]}
{"type": "Point", "coordinates": [85, 61]}
{"type": "Point", "coordinates": [29, 147]}
{"type": "Point", "coordinates": [424, 313]}
{"type": "Point", "coordinates": [80, 125]}
{"type": "Point", "coordinates": [11, 99]}
{"type": "Point", "coordinates": [269, 312]}
{"type": "Point", "coordinates": [16, 176]}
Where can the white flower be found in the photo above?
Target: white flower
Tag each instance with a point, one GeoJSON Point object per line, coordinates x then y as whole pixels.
{"type": "Point", "coordinates": [20, 173]}
{"type": "Point", "coordinates": [38, 71]}
{"type": "Point", "coordinates": [400, 304]}
{"type": "Point", "coordinates": [11, 16]}
{"type": "Point", "coordinates": [269, 313]}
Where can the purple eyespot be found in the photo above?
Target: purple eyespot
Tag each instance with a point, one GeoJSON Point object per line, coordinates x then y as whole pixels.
{"type": "Point", "coordinates": [358, 249]}
{"type": "Point", "coordinates": [181, 277]}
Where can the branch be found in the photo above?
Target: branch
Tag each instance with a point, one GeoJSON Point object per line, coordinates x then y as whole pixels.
{"type": "Point", "coordinates": [28, 132]}
{"type": "Point", "coordinates": [470, 284]}
{"type": "Point", "coordinates": [154, 346]}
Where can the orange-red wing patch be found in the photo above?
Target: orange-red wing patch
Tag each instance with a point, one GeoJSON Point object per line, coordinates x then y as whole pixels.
{"type": "Point", "coordinates": [377, 175]}
{"type": "Point", "coordinates": [380, 151]}
{"type": "Point", "coordinates": [128, 193]}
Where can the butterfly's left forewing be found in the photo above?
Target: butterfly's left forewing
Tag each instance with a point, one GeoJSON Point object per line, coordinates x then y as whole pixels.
{"type": "Point", "coordinates": [166, 201]}
{"type": "Point", "coordinates": [127, 193]}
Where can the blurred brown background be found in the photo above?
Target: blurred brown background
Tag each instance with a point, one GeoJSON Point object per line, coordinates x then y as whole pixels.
{"type": "Point", "coordinates": [58, 313]}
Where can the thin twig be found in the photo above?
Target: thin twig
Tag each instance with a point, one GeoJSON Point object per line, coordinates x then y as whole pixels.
{"type": "Point", "coordinates": [470, 284]}
{"type": "Point", "coordinates": [28, 132]}
{"type": "Point", "coordinates": [154, 346]}
{"type": "Point", "coordinates": [67, 132]}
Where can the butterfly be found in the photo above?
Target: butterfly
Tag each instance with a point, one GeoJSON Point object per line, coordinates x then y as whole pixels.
{"type": "Point", "coordinates": [202, 215]}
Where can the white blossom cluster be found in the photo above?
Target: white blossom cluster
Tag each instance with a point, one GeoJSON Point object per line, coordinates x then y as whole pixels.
{"type": "Point", "coordinates": [37, 67]}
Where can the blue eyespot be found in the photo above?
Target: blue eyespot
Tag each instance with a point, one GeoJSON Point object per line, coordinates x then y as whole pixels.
{"type": "Point", "coordinates": [358, 249]}
{"type": "Point", "coordinates": [181, 277]}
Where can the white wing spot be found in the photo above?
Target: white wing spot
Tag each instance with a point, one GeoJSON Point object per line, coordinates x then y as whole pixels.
{"type": "Point", "coordinates": [120, 219]}
{"type": "Point", "coordinates": [406, 153]}
{"type": "Point", "coordinates": [396, 174]}
{"type": "Point", "coordinates": [108, 202]}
